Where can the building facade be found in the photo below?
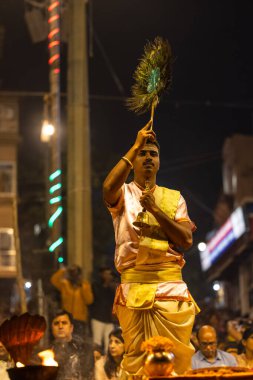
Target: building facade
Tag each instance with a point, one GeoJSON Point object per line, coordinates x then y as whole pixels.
{"type": "Point", "coordinates": [8, 184]}
{"type": "Point", "coordinates": [228, 257]}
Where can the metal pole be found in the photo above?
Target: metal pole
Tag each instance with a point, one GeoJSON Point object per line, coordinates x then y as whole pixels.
{"type": "Point", "coordinates": [20, 279]}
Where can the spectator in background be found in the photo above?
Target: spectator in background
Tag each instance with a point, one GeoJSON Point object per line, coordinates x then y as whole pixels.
{"type": "Point", "coordinates": [5, 362]}
{"type": "Point", "coordinates": [231, 347]}
{"type": "Point", "coordinates": [101, 309]}
{"type": "Point", "coordinates": [74, 356]}
{"type": "Point", "coordinates": [208, 354]}
{"type": "Point", "coordinates": [76, 295]}
{"type": "Point", "coordinates": [234, 334]}
{"type": "Point", "coordinates": [246, 358]}
{"type": "Point", "coordinates": [108, 367]}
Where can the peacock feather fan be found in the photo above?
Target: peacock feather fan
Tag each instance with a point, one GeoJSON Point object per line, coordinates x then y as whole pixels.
{"type": "Point", "coordinates": [152, 76]}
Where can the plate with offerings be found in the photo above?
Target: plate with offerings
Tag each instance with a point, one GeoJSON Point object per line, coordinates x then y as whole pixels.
{"type": "Point", "coordinates": [217, 373]}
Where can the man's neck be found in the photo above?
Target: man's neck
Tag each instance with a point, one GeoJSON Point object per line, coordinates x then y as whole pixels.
{"type": "Point", "coordinates": [143, 182]}
{"type": "Point", "coordinates": [212, 359]}
{"type": "Point", "coordinates": [64, 340]}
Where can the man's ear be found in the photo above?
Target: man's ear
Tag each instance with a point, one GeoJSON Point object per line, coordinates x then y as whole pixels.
{"type": "Point", "coordinates": [71, 328]}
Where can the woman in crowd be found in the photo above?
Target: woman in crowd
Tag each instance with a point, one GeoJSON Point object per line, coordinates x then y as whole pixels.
{"type": "Point", "coordinates": [246, 358]}
{"type": "Point", "coordinates": [108, 366]}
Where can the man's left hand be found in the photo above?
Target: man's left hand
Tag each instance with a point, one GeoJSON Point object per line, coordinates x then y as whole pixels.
{"type": "Point", "coordinates": [147, 200]}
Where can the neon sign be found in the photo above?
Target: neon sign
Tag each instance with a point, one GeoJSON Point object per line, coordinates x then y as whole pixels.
{"type": "Point", "coordinates": [234, 228]}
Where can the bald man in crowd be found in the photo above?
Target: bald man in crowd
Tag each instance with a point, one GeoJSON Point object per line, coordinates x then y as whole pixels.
{"type": "Point", "coordinates": [209, 355]}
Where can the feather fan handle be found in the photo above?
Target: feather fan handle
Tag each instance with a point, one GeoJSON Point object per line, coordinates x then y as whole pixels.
{"type": "Point", "coordinates": [152, 77]}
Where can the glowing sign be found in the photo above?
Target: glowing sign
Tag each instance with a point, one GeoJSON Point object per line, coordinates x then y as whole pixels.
{"type": "Point", "coordinates": [54, 10]}
{"type": "Point", "coordinates": [231, 231]}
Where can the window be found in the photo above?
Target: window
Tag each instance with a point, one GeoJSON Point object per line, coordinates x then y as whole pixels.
{"type": "Point", "coordinates": [7, 178]}
{"type": "Point", "coordinates": [7, 249]}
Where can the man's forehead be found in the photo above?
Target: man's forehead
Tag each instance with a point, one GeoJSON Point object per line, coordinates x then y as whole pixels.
{"type": "Point", "coordinates": [61, 318]}
{"type": "Point", "coordinates": [207, 337]}
{"type": "Point", "coordinates": [150, 147]}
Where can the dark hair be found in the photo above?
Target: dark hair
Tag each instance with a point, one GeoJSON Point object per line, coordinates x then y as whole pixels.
{"type": "Point", "coordinates": [153, 142]}
{"type": "Point", "coordinates": [63, 312]}
{"type": "Point", "coordinates": [247, 333]}
{"type": "Point", "coordinates": [74, 273]}
{"type": "Point", "coordinates": [111, 366]}
{"type": "Point", "coordinates": [74, 268]}
{"type": "Point", "coordinates": [231, 347]}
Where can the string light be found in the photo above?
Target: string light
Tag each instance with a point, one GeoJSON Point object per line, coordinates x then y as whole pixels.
{"type": "Point", "coordinates": [54, 63]}
{"type": "Point", "coordinates": [54, 36]}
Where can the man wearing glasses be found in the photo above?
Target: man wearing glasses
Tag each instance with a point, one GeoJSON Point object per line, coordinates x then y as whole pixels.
{"type": "Point", "coordinates": [208, 354]}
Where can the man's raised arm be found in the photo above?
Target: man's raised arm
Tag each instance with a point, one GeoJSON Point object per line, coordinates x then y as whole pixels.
{"type": "Point", "coordinates": [118, 175]}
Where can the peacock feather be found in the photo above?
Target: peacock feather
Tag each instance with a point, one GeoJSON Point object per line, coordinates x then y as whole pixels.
{"type": "Point", "coordinates": [152, 76]}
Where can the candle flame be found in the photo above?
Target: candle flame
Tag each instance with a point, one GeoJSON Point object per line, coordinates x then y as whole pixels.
{"type": "Point", "coordinates": [18, 364]}
{"type": "Point", "coordinates": [47, 357]}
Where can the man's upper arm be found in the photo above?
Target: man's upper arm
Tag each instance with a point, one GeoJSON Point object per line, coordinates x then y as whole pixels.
{"type": "Point", "coordinates": [116, 207]}
{"type": "Point", "coordinates": [182, 216]}
{"type": "Point", "coordinates": [110, 198]}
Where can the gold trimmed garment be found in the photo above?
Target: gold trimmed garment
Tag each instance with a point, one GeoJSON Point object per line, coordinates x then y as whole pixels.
{"type": "Point", "coordinates": [152, 298]}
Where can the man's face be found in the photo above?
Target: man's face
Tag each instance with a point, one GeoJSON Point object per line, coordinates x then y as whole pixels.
{"type": "Point", "coordinates": [208, 344]}
{"type": "Point", "coordinates": [147, 162]}
{"type": "Point", "coordinates": [62, 328]}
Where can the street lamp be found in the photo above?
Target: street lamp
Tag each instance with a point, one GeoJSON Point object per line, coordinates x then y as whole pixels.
{"type": "Point", "coordinates": [202, 247]}
{"type": "Point", "coordinates": [47, 131]}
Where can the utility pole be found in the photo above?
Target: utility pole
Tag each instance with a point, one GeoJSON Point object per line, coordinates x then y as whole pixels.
{"type": "Point", "coordinates": [79, 216]}
{"type": "Point", "coordinates": [20, 279]}
{"type": "Point", "coordinates": [54, 223]}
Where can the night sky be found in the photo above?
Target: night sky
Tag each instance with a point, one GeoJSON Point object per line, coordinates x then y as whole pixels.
{"type": "Point", "coordinates": [210, 100]}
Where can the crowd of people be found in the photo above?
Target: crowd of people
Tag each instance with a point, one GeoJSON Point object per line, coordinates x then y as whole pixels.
{"type": "Point", "coordinates": [219, 339]}
{"type": "Point", "coordinates": [78, 359]}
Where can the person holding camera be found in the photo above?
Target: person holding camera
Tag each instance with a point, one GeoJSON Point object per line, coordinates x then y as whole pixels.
{"type": "Point", "coordinates": [76, 295]}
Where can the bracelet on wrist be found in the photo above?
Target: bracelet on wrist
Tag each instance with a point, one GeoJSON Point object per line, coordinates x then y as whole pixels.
{"type": "Point", "coordinates": [127, 161]}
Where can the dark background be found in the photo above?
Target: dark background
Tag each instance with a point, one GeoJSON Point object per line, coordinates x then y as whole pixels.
{"type": "Point", "coordinates": [210, 100]}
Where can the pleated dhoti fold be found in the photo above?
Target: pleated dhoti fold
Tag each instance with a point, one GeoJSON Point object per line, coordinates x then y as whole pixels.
{"type": "Point", "coordinates": [168, 318]}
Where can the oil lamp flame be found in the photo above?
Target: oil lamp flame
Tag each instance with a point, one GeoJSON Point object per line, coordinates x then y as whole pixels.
{"type": "Point", "coordinates": [19, 365]}
{"type": "Point", "coordinates": [47, 358]}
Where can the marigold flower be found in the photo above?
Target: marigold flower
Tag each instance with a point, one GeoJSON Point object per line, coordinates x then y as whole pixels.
{"type": "Point", "coordinates": [157, 343]}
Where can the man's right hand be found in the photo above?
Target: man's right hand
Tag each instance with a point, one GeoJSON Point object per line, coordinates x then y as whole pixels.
{"type": "Point", "coordinates": [144, 134]}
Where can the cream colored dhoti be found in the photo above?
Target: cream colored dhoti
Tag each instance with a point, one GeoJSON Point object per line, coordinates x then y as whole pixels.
{"type": "Point", "coordinates": [144, 316]}
{"type": "Point", "coordinates": [172, 319]}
